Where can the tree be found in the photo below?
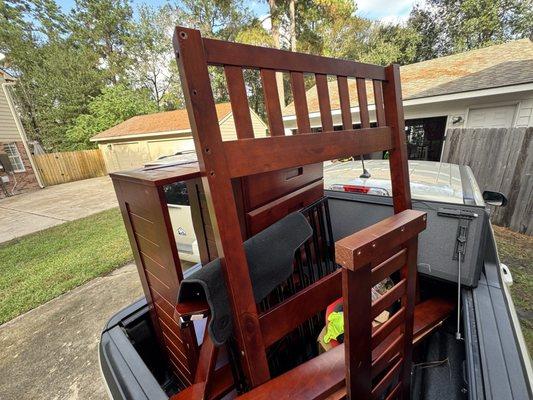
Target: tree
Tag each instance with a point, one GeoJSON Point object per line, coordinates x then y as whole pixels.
{"type": "Point", "coordinates": [55, 77]}
{"type": "Point", "coordinates": [106, 26]}
{"type": "Point", "coordinates": [275, 31]}
{"type": "Point", "coordinates": [221, 19]}
{"type": "Point", "coordinates": [56, 91]}
{"type": "Point", "coordinates": [115, 105]}
{"type": "Point", "coordinates": [292, 22]}
{"type": "Point", "coordinates": [451, 26]}
{"type": "Point", "coordinates": [430, 29]}
{"type": "Point", "coordinates": [152, 55]}
{"type": "Point", "coordinates": [471, 24]}
{"type": "Point", "coordinates": [391, 43]}
{"type": "Point", "coordinates": [325, 27]}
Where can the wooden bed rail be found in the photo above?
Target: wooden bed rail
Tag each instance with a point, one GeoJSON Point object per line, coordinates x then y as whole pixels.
{"type": "Point", "coordinates": [218, 52]}
{"type": "Point", "coordinates": [277, 152]}
{"type": "Point", "coordinates": [300, 307]}
{"type": "Point", "coordinates": [357, 254]}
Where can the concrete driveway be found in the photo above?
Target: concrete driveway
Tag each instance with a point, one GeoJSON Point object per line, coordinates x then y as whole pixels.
{"type": "Point", "coordinates": [51, 352]}
{"type": "Point", "coordinates": [54, 205]}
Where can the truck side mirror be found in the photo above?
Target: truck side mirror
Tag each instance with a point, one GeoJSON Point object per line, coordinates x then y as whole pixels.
{"type": "Point", "coordinates": [494, 198]}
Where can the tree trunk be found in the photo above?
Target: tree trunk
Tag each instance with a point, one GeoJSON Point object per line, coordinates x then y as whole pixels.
{"type": "Point", "coordinates": [292, 11]}
{"type": "Point", "coordinates": [274, 21]}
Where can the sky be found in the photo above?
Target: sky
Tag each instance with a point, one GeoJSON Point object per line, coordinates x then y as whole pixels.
{"type": "Point", "coordinates": [384, 10]}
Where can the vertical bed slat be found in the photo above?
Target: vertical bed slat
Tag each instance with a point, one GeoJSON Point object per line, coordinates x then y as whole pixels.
{"type": "Point", "coordinates": [324, 102]}
{"type": "Point", "coordinates": [363, 103]}
{"type": "Point", "coordinates": [409, 272]}
{"type": "Point", "coordinates": [378, 99]}
{"type": "Point", "coordinates": [272, 103]}
{"type": "Point", "coordinates": [239, 102]}
{"type": "Point", "coordinates": [300, 102]}
{"type": "Point", "coordinates": [392, 93]}
{"type": "Point", "coordinates": [344, 97]}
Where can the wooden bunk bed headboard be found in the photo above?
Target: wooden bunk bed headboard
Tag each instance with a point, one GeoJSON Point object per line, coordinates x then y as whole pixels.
{"type": "Point", "coordinates": [222, 163]}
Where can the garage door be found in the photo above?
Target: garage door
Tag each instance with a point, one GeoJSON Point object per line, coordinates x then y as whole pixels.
{"type": "Point", "coordinates": [129, 155]}
{"type": "Point", "coordinates": [491, 117]}
{"type": "Point", "coordinates": [158, 148]}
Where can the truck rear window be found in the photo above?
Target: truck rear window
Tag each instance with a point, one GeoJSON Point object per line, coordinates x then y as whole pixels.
{"type": "Point", "coordinates": [177, 194]}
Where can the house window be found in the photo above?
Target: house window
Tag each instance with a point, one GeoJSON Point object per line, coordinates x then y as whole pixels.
{"type": "Point", "coordinates": [14, 156]}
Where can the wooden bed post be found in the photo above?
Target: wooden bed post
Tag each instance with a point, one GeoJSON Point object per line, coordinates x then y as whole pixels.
{"type": "Point", "coordinates": [409, 272]}
{"type": "Point", "coordinates": [195, 80]}
{"type": "Point", "coordinates": [392, 93]}
{"type": "Point", "coordinates": [359, 256]}
{"type": "Point", "coordinates": [358, 331]}
{"type": "Point", "coordinates": [401, 193]}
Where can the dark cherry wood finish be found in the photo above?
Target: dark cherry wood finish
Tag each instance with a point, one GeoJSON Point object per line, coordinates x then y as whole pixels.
{"type": "Point", "coordinates": [392, 93]}
{"type": "Point", "coordinates": [218, 52]}
{"type": "Point", "coordinates": [363, 103]}
{"type": "Point", "coordinates": [142, 204]}
{"type": "Point", "coordinates": [272, 102]}
{"type": "Point", "coordinates": [324, 102]}
{"type": "Point", "coordinates": [279, 152]}
{"type": "Point", "coordinates": [239, 102]}
{"type": "Point", "coordinates": [344, 98]}
{"type": "Point", "coordinates": [252, 182]}
{"type": "Point", "coordinates": [301, 306]}
{"type": "Point", "coordinates": [378, 101]}
{"type": "Point", "coordinates": [357, 254]}
{"type": "Point", "coordinates": [300, 102]}
{"type": "Point", "coordinates": [218, 187]}
{"type": "Point", "coordinates": [324, 376]}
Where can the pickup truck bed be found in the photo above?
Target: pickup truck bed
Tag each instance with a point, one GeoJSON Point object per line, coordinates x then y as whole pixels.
{"type": "Point", "coordinates": [488, 364]}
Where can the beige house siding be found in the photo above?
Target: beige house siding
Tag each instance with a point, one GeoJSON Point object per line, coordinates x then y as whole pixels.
{"type": "Point", "coordinates": [8, 128]}
{"type": "Point", "coordinates": [119, 156]}
{"type": "Point", "coordinates": [227, 127]}
{"type": "Point", "coordinates": [522, 101]}
{"type": "Point", "coordinates": [123, 154]}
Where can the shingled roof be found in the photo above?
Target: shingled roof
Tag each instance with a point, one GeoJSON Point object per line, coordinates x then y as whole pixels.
{"type": "Point", "coordinates": [157, 123]}
{"type": "Point", "coordinates": [495, 66]}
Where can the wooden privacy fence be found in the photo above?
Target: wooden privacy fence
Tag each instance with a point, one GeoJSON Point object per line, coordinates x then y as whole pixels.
{"type": "Point", "coordinates": [70, 166]}
{"type": "Point", "coordinates": [502, 160]}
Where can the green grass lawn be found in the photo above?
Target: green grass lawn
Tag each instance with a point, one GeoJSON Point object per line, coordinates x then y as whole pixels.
{"type": "Point", "coordinates": [38, 267]}
{"type": "Point", "coordinates": [516, 251]}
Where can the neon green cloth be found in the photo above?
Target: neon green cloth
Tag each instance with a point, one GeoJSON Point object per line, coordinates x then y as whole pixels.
{"type": "Point", "coordinates": [335, 326]}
